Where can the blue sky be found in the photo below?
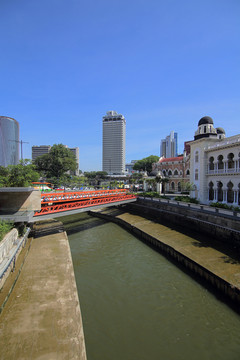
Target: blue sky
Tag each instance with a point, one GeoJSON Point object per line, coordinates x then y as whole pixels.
{"type": "Point", "coordinates": [162, 64]}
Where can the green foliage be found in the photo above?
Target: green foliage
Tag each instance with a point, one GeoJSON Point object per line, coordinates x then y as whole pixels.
{"type": "Point", "coordinates": [225, 206]}
{"type": "Point", "coordinates": [146, 163]}
{"type": "Point", "coordinates": [186, 187]}
{"type": "Point", "coordinates": [5, 227]}
{"type": "Point", "coordinates": [57, 162]}
{"type": "Point", "coordinates": [186, 199]}
{"type": "Point", "coordinates": [21, 175]}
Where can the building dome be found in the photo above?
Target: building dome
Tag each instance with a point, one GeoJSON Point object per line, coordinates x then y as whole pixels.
{"type": "Point", "coordinates": [220, 130]}
{"type": "Point", "coordinates": [205, 120]}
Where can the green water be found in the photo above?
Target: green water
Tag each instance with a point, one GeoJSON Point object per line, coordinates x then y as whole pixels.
{"type": "Point", "coordinates": [136, 305]}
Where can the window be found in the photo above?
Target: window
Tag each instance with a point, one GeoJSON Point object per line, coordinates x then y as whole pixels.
{"type": "Point", "coordinates": [169, 172]}
{"type": "Point", "coordinates": [210, 191]}
{"type": "Point", "coordinates": [196, 174]}
{"type": "Point", "coordinates": [179, 186]}
{"type": "Point", "coordinates": [172, 186]}
{"type": "Point", "coordinates": [220, 191]}
{"type": "Point", "coordinates": [211, 163]}
{"type": "Point", "coordinates": [188, 172]}
{"type": "Point", "coordinates": [220, 162]}
{"type": "Point", "coordinates": [196, 156]}
{"type": "Point", "coordinates": [230, 192]}
{"type": "Point", "coordinates": [176, 172]}
{"type": "Point", "coordinates": [205, 129]}
{"type": "Point", "coordinates": [230, 161]}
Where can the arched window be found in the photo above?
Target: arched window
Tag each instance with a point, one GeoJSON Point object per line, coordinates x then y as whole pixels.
{"type": "Point", "coordinates": [181, 172]}
{"type": "Point", "coordinates": [205, 129]}
{"type": "Point", "coordinates": [176, 172]}
{"type": "Point", "coordinates": [196, 156]}
{"type": "Point", "coordinates": [230, 161]}
{"type": "Point", "coordinates": [196, 174]}
{"type": "Point", "coordinates": [211, 163]}
{"type": "Point", "coordinates": [188, 172]}
{"type": "Point", "coordinates": [164, 172]}
{"type": "Point", "coordinates": [220, 191]}
{"type": "Point", "coordinates": [220, 162]}
{"type": "Point", "coordinates": [230, 192]}
{"type": "Point", "coordinates": [179, 186]}
{"type": "Point", "coordinates": [238, 194]}
{"type": "Point", "coordinates": [169, 172]}
{"type": "Point", "coordinates": [172, 186]}
{"type": "Point", "coordinates": [210, 191]}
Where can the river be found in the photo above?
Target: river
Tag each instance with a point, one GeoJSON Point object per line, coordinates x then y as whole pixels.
{"type": "Point", "coordinates": [136, 305]}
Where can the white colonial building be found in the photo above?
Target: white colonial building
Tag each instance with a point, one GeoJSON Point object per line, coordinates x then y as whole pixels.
{"type": "Point", "coordinates": [215, 164]}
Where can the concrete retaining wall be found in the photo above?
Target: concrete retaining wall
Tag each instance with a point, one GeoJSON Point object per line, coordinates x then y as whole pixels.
{"type": "Point", "coordinates": [225, 229]}
{"type": "Point", "coordinates": [230, 291]}
{"type": "Point", "coordinates": [7, 243]}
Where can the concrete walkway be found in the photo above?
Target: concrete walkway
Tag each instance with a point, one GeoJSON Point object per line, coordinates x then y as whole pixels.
{"type": "Point", "coordinates": [42, 318]}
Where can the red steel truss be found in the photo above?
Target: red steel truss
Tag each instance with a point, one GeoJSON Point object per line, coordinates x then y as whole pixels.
{"type": "Point", "coordinates": [59, 202]}
{"type": "Point", "coordinates": [77, 195]}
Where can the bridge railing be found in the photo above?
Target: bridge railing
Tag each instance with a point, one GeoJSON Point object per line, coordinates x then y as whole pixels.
{"type": "Point", "coordinates": [77, 195]}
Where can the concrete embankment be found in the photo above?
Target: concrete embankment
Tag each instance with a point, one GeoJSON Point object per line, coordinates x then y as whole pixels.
{"type": "Point", "coordinates": [208, 263]}
{"type": "Point", "coordinates": [42, 318]}
{"type": "Point", "coordinates": [224, 228]}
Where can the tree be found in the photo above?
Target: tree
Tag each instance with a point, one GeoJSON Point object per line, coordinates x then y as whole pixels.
{"type": "Point", "coordinates": [146, 163]}
{"type": "Point", "coordinates": [21, 175]}
{"type": "Point", "coordinates": [164, 181]}
{"type": "Point", "coordinates": [57, 162]}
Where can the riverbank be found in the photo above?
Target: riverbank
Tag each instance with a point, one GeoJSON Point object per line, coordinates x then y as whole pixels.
{"type": "Point", "coordinates": [42, 318]}
{"type": "Point", "coordinates": [217, 268]}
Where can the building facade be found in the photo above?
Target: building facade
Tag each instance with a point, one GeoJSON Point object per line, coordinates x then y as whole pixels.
{"type": "Point", "coordinates": [129, 168]}
{"type": "Point", "coordinates": [215, 165]}
{"type": "Point", "coordinates": [40, 150]}
{"type": "Point", "coordinates": [169, 145]}
{"type": "Point", "coordinates": [9, 141]}
{"type": "Point", "coordinates": [113, 143]}
{"type": "Point", "coordinates": [176, 170]}
{"type": "Point", "coordinates": [75, 151]}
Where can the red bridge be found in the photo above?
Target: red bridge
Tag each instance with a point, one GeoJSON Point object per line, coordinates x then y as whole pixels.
{"type": "Point", "coordinates": [57, 203]}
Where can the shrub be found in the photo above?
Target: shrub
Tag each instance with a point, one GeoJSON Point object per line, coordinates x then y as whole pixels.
{"type": "Point", "coordinates": [225, 206]}
{"type": "Point", "coordinates": [186, 199]}
{"type": "Point", "coordinates": [5, 227]}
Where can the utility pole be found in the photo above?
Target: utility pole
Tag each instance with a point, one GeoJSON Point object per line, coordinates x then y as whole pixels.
{"type": "Point", "coordinates": [20, 142]}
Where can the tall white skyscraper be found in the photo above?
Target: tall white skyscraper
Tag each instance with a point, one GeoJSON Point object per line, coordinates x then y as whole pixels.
{"type": "Point", "coordinates": [169, 146]}
{"type": "Point", "coordinates": [114, 143]}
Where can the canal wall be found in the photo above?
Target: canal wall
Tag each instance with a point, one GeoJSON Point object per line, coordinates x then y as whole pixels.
{"type": "Point", "coordinates": [224, 227]}
{"type": "Point", "coordinates": [216, 269]}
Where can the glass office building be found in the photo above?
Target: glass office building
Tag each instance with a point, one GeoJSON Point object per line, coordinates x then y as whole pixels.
{"type": "Point", "coordinates": [9, 141]}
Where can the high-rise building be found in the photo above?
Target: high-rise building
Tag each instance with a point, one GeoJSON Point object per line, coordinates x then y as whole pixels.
{"type": "Point", "coordinates": [9, 141]}
{"type": "Point", "coordinates": [114, 143]}
{"type": "Point", "coordinates": [40, 150]}
{"type": "Point", "coordinates": [169, 145]}
{"type": "Point", "coordinates": [75, 151]}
